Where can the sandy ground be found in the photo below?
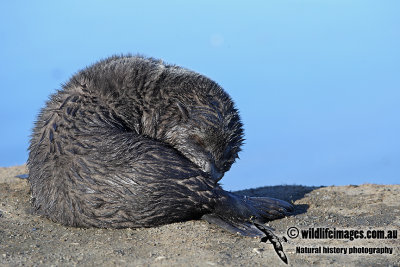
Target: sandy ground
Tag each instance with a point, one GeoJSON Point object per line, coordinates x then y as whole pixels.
{"type": "Point", "coordinates": [29, 240]}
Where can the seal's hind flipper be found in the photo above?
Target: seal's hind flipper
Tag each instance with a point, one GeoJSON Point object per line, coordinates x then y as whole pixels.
{"type": "Point", "coordinates": [251, 229]}
{"type": "Point", "coordinates": [275, 241]}
{"type": "Point", "coordinates": [272, 208]}
{"type": "Point", "coordinates": [234, 227]}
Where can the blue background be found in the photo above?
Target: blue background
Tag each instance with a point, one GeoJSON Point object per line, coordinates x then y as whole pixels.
{"type": "Point", "coordinates": [317, 82]}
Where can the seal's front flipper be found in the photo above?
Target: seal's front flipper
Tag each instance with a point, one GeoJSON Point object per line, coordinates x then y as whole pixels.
{"type": "Point", "coordinates": [234, 227]}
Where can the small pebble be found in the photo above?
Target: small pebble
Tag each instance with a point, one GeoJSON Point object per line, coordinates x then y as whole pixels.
{"type": "Point", "coordinates": [257, 250]}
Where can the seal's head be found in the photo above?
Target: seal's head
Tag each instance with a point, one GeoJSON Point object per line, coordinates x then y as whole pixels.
{"type": "Point", "coordinates": [209, 138]}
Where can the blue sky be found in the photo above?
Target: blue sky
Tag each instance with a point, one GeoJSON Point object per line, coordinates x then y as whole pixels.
{"type": "Point", "coordinates": [317, 83]}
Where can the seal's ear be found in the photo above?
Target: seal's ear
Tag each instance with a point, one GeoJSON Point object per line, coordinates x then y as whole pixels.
{"type": "Point", "coordinates": [183, 110]}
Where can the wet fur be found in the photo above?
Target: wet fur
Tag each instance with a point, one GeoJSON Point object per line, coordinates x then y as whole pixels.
{"type": "Point", "coordinates": [133, 142]}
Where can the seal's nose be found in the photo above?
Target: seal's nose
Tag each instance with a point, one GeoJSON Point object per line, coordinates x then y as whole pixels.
{"type": "Point", "coordinates": [215, 174]}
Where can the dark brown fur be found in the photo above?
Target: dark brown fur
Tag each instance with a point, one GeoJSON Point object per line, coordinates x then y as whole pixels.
{"type": "Point", "coordinates": [133, 142]}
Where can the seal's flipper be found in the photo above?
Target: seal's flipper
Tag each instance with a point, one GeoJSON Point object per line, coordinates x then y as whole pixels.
{"type": "Point", "coordinates": [230, 206]}
{"type": "Point", "coordinates": [234, 227]}
{"type": "Point", "coordinates": [272, 208]}
{"type": "Point", "coordinates": [275, 241]}
{"type": "Point", "coordinates": [251, 229]}
{"type": "Point", "coordinates": [247, 215]}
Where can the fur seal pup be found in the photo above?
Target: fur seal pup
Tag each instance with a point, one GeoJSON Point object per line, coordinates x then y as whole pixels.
{"type": "Point", "coordinates": [133, 142]}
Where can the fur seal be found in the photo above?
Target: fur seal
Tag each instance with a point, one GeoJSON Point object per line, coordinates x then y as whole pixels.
{"type": "Point", "coordinates": [133, 142]}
